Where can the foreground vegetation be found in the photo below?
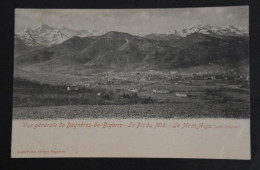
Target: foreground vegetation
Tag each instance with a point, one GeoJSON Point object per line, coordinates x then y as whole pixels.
{"type": "Point", "coordinates": [181, 110]}
{"type": "Point", "coordinates": [33, 94]}
{"type": "Point", "coordinates": [128, 96]}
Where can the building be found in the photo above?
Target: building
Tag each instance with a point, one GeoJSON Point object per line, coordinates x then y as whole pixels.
{"type": "Point", "coordinates": [181, 95]}
{"type": "Point", "coordinates": [160, 92]}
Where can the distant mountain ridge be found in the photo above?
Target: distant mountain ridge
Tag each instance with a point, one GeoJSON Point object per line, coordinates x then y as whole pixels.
{"type": "Point", "coordinates": [126, 52]}
{"type": "Point", "coordinates": [203, 29]}
{"type": "Point", "coordinates": [213, 30]}
{"type": "Point", "coordinates": [44, 35]}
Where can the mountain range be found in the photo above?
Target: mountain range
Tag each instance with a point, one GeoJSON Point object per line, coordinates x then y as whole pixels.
{"type": "Point", "coordinates": [203, 29]}
{"type": "Point", "coordinates": [45, 35]}
{"type": "Point", "coordinates": [44, 47]}
{"type": "Point", "coordinates": [214, 30]}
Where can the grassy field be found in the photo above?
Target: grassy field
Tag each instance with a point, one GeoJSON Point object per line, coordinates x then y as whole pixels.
{"type": "Point", "coordinates": [107, 95]}
{"type": "Point", "coordinates": [33, 94]}
{"type": "Point", "coordinates": [183, 110]}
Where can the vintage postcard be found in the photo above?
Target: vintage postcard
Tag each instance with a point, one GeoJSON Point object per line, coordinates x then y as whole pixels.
{"type": "Point", "coordinates": [153, 83]}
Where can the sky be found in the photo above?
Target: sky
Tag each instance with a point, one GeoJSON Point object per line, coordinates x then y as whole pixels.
{"type": "Point", "coordinates": [134, 21]}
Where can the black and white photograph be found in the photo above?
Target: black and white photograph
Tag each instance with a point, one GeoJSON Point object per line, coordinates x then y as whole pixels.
{"type": "Point", "coordinates": [131, 63]}
{"type": "Point", "coordinates": [149, 83]}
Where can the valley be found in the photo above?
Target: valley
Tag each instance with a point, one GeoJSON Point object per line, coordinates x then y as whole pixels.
{"type": "Point", "coordinates": [124, 90]}
{"type": "Point", "coordinates": [200, 73]}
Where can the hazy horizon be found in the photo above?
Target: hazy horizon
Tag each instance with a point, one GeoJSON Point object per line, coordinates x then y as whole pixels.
{"type": "Point", "coordinates": [134, 21]}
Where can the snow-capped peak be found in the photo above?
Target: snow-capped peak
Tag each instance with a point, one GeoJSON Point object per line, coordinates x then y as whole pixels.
{"type": "Point", "coordinates": [213, 30]}
{"type": "Point", "coordinates": [44, 35]}
{"type": "Point", "coordinates": [41, 27]}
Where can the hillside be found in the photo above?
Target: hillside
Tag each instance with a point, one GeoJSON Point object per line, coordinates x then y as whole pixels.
{"type": "Point", "coordinates": [126, 52]}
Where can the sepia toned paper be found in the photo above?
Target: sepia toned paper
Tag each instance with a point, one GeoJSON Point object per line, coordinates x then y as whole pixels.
{"type": "Point", "coordinates": [152, 83]}
{"type": "Point", "coordinates": [226, 139]}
